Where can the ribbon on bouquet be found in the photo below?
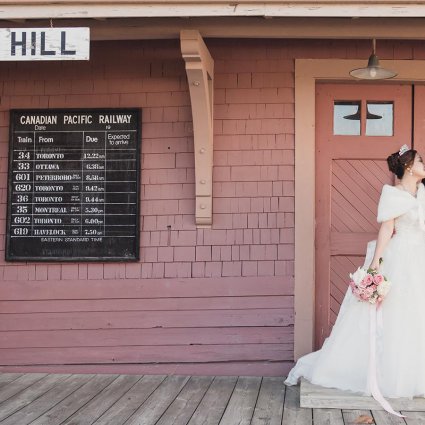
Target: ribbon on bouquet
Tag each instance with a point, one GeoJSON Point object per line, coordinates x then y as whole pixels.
{"type": "Point", "coordinates": [376, 321]}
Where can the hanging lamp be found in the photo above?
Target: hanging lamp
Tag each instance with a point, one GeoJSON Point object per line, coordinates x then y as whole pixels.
{"type": "Point", "coordinates": [373, 71]}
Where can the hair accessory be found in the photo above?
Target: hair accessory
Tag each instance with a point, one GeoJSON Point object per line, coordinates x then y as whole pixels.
{"type": "Point", "coordinates": [403, 149]}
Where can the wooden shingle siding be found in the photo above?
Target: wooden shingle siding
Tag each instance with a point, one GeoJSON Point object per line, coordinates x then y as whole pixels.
{"type": "Point", "coordinates": [199, 299]}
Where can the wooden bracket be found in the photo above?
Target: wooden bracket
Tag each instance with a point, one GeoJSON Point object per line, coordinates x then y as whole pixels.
{"type": "Point", "coordinates": [200, 76]}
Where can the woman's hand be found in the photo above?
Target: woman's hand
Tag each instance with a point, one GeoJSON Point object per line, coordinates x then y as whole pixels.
{"type": "Point", "coordinates": [374, 266]}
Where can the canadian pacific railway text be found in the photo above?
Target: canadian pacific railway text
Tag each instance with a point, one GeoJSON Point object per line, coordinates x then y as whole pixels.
{"type": "Point", "coordinates": [75, 119]}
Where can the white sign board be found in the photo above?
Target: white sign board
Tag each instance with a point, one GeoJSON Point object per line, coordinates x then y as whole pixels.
{"type": "Point", "coordinates": [31, 44]}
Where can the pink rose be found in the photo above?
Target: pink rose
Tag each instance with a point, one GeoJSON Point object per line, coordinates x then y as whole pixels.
{"type": "Point", "coordinates": [378, 278]}
{"type": "Point", "coordinates": [368, 292]}
{"type": "Point", "coordinates": [357, 293]}
{"type": "Point", "coordinates": [367, 280]}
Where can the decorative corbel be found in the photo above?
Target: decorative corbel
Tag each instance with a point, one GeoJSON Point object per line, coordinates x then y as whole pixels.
{"type": "Point", "coordinates": [200, 76]}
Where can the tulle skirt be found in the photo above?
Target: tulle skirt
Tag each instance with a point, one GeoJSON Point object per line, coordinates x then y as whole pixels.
{"type": "Point", "coordinates": [343, 360]}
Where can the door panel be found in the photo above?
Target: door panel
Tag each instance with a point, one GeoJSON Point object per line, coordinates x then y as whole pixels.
{"type": "Point", "coordinates": [350, 171]}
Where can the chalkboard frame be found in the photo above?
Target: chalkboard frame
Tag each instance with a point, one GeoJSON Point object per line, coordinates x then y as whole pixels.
{"type": "Point", "coordinates": [14, 258]}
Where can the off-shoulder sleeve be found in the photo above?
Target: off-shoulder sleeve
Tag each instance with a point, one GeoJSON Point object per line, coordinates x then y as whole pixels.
{"type": "Point", "coordinates": [394, 203]}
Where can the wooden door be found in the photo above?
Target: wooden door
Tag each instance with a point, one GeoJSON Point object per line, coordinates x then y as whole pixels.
{"type": "Point", "coordinates": [357, 127]}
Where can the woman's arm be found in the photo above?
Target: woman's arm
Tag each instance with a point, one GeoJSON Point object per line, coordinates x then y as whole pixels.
{"type": "Point", "coordinates": [385, 233]}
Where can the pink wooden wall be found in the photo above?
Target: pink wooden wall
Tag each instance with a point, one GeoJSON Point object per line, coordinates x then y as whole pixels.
{"type": "Point", "coordinates": [211, 301]}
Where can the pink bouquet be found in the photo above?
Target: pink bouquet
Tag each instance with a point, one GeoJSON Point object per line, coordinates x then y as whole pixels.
{"type": "Point", "coordinates": [369, 285]}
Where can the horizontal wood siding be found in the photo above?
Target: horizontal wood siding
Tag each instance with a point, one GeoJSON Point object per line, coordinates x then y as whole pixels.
{"type": "Point", "coordinates": [69, 326]}
{"type": "Point", "coordinates": [150, 336]}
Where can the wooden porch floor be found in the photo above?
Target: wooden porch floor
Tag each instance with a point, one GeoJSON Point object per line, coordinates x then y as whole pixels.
{"type": "Point", "coordinates": [53, 399]}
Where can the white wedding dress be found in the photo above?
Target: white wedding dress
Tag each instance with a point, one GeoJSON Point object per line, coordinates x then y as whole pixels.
{"type": "Point", "coordinates": [342, 362]}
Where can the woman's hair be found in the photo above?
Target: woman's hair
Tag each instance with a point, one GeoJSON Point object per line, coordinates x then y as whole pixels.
{"type": "Point", "coordinates": [398, 163]}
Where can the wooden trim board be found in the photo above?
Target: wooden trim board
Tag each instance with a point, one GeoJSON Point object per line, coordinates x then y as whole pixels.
{"type": "Point", "coordinates": [121, 9]}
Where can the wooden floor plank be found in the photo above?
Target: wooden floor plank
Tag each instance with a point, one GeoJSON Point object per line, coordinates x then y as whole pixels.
{"type": "Point", "coordinates": [102, 401]}
{"type": "Point", "coordinates": [414, 418]}
{"type": "Point", "coordinates": [7, 378]}
{"type": "Point", "coordinates": [20, 384]}
{"type": "Point", "coordinates": [211, 408]}
{"type": "Point", "coordinates": [47, 401]}
{"type": "Point", "coordinates": [24, 398]}
{"type": "Point", "coordinates": [316, 396]}
{"type": "Point", "coordinates": [181, 409]}
{"type": "Point", "coordinates": [55, 399]}
{"type": "Point", "coordinates": [241, 405]}
{"type": "Point", "coordinates": [131, 400]}
{"type": "Point", "coordinates": [157, 403]}
{"type": "Point", "coordinates": [269, 407]}
{"type": "Point", "coordinates": [293, 414]}
{"type": "Point", "coordinates": [351, 416]}
{"type": "Point", "coordinates": [75, 401]}
{"type": "Point", "coordinates": [327, 417]}
{"type": "Point", "coordinates": [382, 417]}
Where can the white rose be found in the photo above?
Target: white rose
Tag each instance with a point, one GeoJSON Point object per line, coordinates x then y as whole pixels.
{"type": "Point", "coordinates": [383, 288]}
{"type": "Point", "coordinates": [358, 275]}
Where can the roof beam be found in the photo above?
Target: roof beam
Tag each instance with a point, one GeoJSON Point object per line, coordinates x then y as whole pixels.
{"type": "Point", "coordinates": [302, 28]}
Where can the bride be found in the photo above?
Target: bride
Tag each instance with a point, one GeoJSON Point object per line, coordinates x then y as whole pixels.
{"type": "Point", "coordinates": [343, 360]}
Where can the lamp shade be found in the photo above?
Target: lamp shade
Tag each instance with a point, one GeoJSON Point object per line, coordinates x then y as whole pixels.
{"type": "Point", "coordinates": [373, 71]}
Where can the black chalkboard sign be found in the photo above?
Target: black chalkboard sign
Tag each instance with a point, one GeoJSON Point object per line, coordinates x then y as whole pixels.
{"type": "Point", "coordinates": [73, 185]}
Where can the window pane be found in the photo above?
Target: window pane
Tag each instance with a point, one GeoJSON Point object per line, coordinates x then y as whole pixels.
{"type": "Point", "coordinates": [347, 118]}
{"type": "Point", "coordinates": [379, 119]}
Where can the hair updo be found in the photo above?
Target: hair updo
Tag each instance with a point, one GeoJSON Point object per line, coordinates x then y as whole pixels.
{"type": "Point", "coordinates": [398, 163]}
